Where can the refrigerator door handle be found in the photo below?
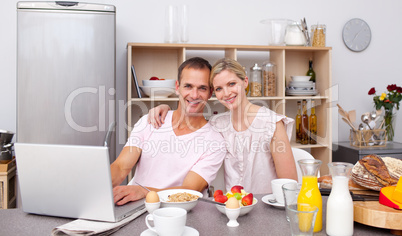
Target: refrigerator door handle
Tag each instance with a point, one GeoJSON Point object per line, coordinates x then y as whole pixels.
{"type": "Point", "coordinates": [66, 3]}
{"type": "Point", "coordinates": [108, 136]}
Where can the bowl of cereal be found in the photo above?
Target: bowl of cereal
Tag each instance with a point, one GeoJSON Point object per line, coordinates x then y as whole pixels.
{"type": "Point", "coordinates": [183, 198]}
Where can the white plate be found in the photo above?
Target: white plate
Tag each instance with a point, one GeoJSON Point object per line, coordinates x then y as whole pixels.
{"type": "Point", "coordinates": [188, 231]}
{"type": "Point", "coordinates": [300, 92]}
{"type": "Point", "coordinates": [271, 196]}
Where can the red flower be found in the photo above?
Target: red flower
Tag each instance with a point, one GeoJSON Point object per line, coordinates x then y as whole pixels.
{"type": "Point", "coordinates": [372, 91]}
{"type": "Point", "coordinates": [391, 87]}
{"type": "Point", "coordinates": [386, 100]}
{"type": "Point", "coordinates": [399, 89]}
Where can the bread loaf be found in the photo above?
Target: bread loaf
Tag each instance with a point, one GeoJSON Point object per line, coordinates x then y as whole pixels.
{"type": "Point", "coordinates": [377, 168]}
{"type": "Point", "coordinates": [326, 182]}
{"type": "Point", "coordinates": [374, 172]}
{"type": "Point", "coordinates": [394, 166]}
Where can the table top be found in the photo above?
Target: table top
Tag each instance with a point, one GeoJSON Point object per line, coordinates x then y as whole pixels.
{"type": "Point", "coordinates": [262, 220]}
{"type": "Point", "coordinates": [390, 147]}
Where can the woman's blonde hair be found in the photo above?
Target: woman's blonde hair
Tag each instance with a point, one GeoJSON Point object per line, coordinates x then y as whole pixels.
{"type": "Point", "coordinates": [227, 64]}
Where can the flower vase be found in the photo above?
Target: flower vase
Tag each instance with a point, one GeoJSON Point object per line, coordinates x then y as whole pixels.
{"type": "Point", "coordinates": [389, 123]}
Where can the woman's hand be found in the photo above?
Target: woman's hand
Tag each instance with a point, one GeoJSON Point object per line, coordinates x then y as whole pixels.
{"type": "Point", "coordinates": [157, 115]}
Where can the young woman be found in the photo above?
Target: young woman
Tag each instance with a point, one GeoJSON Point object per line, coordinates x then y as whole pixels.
{"type": "Point", "coordinates": [257, 139]}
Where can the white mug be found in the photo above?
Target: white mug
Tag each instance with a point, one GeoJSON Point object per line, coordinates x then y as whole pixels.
{"type": "Point", "coordinates": [276, 186]}
{"type": "Point", "coordinates": [169, 221]}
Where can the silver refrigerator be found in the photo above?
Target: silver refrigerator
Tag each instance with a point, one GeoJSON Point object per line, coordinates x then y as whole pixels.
{"type": "Point", "coordinates": [66, 73]}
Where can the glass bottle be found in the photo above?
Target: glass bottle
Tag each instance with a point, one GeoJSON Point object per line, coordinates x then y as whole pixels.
{"type": "Point", "coordinates": [310, 71]}
{"type": "Point", "coordinates": [313, 125]}
{"type": "Point", "coordinates": [309, 192]}
{"type": "Point", "coordinates": [298, 122]}
{"type": "Point", "coordinates": [255, 81]}
{"type": "Point", "coordinates": [304, 124]}
{"type": "Point", "coordinates": [269, 78]}
{"type": "Point", "coordinates": [340, 204]}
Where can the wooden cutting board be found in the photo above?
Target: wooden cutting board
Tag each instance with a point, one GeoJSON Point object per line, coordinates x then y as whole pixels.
{"type": "Point", "coordinates": [373, 213]}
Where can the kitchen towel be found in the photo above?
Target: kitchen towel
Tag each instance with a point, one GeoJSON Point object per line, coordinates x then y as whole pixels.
{"type": "Point", "coordinates": [89, 227]}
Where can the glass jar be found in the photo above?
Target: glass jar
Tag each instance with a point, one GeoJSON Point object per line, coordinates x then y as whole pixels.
{"type": "Point", "coordinates": [318, 33]}
{"type": "Point", "coordinates": [269, 78]}
{"type": "Point", "coordinates": [294, 35]}
{"type": "Point", "coordinates": [255, 82]}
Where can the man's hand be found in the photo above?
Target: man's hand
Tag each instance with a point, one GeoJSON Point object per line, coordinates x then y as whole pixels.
{"type": "Point", "coordinates": [127, 193]}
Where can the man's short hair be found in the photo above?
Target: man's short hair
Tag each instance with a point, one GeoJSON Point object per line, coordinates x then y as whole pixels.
{"type": "Point", "coordinates": [194, 63]}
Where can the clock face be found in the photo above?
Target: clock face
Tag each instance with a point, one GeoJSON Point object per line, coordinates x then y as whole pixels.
{"type": "Point", "coordinates": [356, 35]}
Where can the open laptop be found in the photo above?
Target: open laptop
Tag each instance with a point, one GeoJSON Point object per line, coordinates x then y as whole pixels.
{"type": "Point", "coordinates": [69, 181]}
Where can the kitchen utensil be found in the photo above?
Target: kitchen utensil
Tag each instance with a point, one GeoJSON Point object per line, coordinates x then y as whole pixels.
{"type": "Point", "coordinates": [272, 200]}
{"type": "Point", "coordinates": [305, 31]}
{"type": "Point", "coordinates": [349, 123]}
{"type": "Point", "coordinates": [352, 116]}
{"type": "Point", "coordinates": [342, 112]}
{"type": "Point", "coordinates": [143, 187]}
{"type": "Point", "coordinates": [209, 201]}
{"type": "Point", "coordinates": [366, 120]}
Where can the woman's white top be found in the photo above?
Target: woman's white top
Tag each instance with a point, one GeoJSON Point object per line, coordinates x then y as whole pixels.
{"type": "Point", "coordinates": [248, 161]}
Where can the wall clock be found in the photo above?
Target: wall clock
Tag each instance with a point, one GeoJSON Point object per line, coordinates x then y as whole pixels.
{"type": "Point", "coordinates": [356, 35]}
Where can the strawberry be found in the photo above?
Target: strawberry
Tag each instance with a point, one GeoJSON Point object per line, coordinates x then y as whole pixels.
{"type": "Point", "coordinates": [218, 192]}
{"type": "Point", "coordinates": [221, 198]}
{"type": "Point", "coordinates": [247, 200]}
{"type": "Point", "coordinates": [154, 78]}
{"type": "Point", "coordinates": [236, 189]}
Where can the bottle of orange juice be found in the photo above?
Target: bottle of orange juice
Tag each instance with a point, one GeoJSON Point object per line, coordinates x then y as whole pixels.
{"type": "Point", "coordinates": [309, 192]}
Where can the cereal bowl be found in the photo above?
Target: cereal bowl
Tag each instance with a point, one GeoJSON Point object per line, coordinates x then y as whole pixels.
{"type": "Point", "coordinates": [187, 205]}
{"type": "Point", "coordinates": [243, 209]}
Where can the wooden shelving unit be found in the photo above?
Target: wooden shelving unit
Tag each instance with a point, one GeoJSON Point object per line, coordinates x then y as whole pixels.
{"type": "Point", "coordinates": [163, 60]}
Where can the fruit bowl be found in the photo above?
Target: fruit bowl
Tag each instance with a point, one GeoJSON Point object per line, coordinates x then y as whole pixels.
{"type": "Point", "coordinates": [164, 196]}
{"type": "Point", "coordinates": [157, 92]}
{"type": "Point", "coordinates": [243, 209]}
{"type": "Point", "coordinates": [167, 83]}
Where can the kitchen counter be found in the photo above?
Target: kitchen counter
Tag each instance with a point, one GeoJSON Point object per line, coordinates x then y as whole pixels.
{"type": "Point", "coordinates": [262, 220]}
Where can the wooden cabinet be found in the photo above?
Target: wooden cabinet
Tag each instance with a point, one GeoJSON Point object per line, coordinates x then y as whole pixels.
{"type": "Point", "coordinates": [163, 60]}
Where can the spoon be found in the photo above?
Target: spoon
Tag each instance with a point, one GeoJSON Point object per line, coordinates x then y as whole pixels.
{"type": "Point", "coordinates": [272, 200]}
{"type": "Point", "coordinates": [143, 187]}
{"type": "Point", "coordinates": [366, 119]}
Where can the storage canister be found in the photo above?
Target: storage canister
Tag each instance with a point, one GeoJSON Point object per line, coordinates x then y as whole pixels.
{"type": "Point", "coordinates": [318, 33]}
{"type": "Point", "coordinates": [255, 82]}
{"type": "Point", "coordinates": [294, 35]}
{"type": "Point", "coordinates": [269, 78]}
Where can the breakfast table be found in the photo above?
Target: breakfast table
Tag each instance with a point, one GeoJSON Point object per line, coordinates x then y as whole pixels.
{"type": "Point", "coordinates": [264, 219]}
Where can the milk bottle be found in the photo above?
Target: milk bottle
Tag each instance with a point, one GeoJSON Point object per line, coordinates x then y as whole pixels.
{"type": "Point", "coordinates": [340, 203]}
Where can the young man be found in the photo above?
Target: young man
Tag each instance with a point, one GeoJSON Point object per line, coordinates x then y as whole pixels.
{"type": "Point", "coordinates": [184, 153]}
